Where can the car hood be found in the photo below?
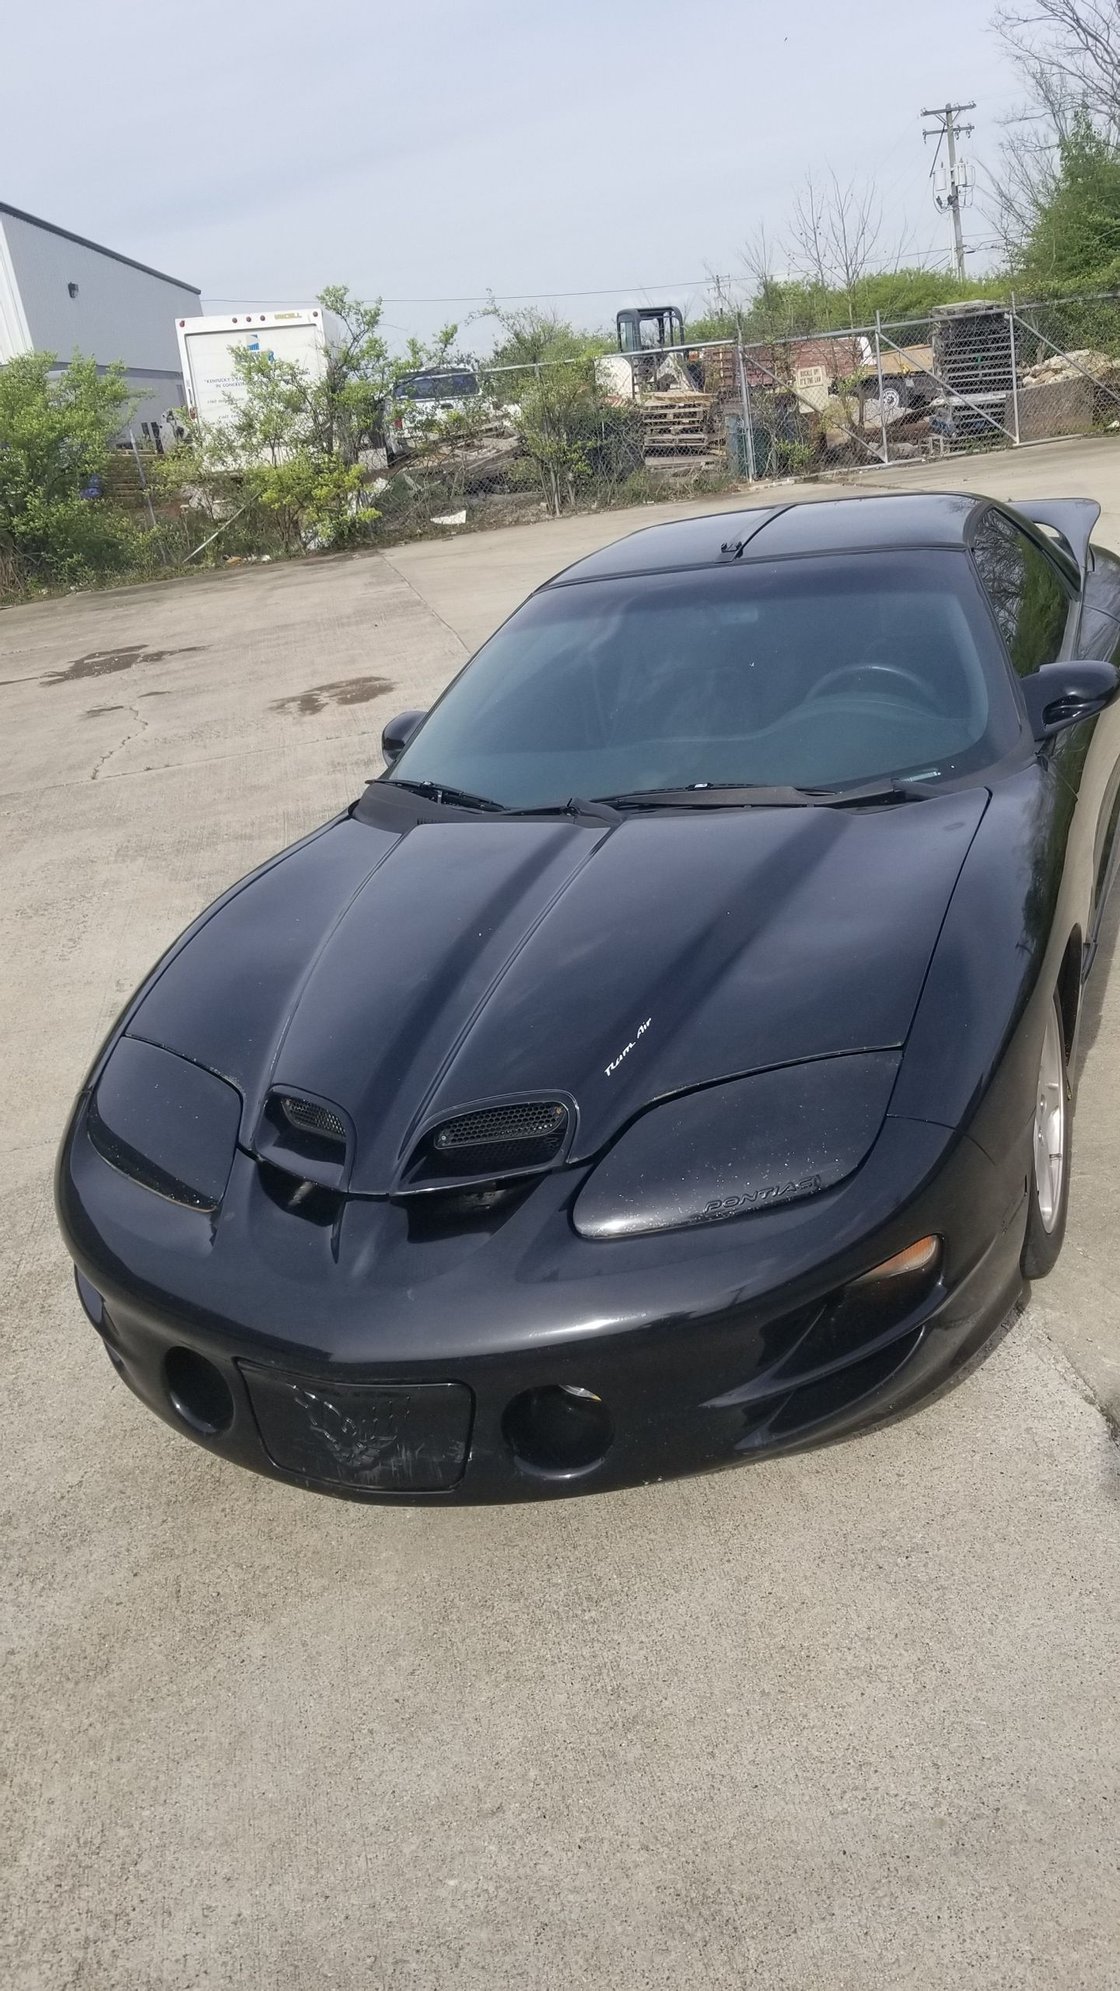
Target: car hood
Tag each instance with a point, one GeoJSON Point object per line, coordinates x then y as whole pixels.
{"type": "Point", "coordinates": [406, 976]}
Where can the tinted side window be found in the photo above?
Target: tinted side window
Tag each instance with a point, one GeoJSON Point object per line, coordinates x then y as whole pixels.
{"type": "Point", "coordinates": [1030, 603]}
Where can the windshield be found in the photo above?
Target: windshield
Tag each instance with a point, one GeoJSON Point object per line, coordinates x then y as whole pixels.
{"type": "Point", "coordinates": [436, 387]}
{"type": "Point", "coordinates": [799, 672]}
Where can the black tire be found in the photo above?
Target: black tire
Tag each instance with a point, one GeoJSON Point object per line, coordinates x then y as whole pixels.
{"type": "Point", "coordinates": [1047, 1216]}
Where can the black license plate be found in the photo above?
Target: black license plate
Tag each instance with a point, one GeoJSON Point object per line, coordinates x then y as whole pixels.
{"type": "Point", "coordinates": [403, 1437]}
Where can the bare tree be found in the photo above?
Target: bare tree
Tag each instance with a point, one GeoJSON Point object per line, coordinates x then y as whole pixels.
{"type": "Point", "coordinates": [834, 235]}
{"type": "Point", "coordinates": [771, 303]}
{"type": "Point", "coordinates": [1068, 55]}
{"type": "Point", "coordinates": [1028, 171]}
{"type": "Point", "coordinates": [758, 258]}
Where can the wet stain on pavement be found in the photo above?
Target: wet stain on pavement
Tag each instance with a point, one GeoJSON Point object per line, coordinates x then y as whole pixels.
{"type": "Point", "coordinates": [343, 691]}
{"type": "Point", "coordinates": [101, 663]}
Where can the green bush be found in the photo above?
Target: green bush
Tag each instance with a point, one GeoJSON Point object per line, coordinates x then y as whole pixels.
{"type": "Point", "coordinates": [1075, 241]}
{"type": "Point", "coordinates": [57, 431]}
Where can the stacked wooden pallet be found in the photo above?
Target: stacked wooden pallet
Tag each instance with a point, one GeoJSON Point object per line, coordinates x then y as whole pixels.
{"type": "Point", "coordinates": [677, 424]}
{"type": "Point", "coordinates": [720, 371]}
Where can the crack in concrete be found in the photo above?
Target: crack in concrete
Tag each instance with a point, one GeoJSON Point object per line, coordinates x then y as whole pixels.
{"type": "Point", "coordinates": [1082, 1384]}
{"type": "Point", "coordinates": [426, 604]}
{"type": "Point", "coordinates": [141, 727]}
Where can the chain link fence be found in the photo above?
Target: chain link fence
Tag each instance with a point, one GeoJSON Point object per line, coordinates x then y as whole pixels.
{"type": "Point", "coordinates": [537, 441]}
{"type": "Point", "coordinates": [477, 445]}
{"type": "Point", "coordinates": [698, 419]}
{"type": "Point", "coordinates": [965, 377]}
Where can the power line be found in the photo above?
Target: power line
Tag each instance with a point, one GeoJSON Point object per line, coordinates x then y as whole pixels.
{"type": "Point", "coordinates": [911, 260]}
{"type": "Point", "coordinates": [510, 296]}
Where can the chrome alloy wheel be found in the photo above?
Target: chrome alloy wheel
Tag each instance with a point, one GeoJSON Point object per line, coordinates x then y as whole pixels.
{"type": "Point", "coordinates": [1050, 1119]}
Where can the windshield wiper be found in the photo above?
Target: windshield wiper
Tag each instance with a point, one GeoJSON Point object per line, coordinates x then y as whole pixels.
{"type": "Point", "coordinates": [458, 798]}
{"type": "Point", "coordinates": [892, 790]}
{"type": "Point", "coordinates": [706, 796]}
{"type": "Point", "coordinates": [576, 807]}
{"type": "Point", "coordinates": [712, 795]}
{"type": "Point", "coordinates": [461, 798]}
{"type": "Point", "coordinates": [731, 795]}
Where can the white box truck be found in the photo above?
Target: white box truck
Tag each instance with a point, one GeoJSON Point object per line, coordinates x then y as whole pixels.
{"type": "Point", "coordinates": [305, 335]}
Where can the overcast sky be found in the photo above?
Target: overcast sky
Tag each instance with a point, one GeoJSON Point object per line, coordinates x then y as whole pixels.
{"type": "Point", "coordinates": [618, 147]}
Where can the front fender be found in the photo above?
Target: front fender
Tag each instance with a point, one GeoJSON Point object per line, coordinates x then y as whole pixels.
{"type": "Point", "coordinates": [972, 1052]}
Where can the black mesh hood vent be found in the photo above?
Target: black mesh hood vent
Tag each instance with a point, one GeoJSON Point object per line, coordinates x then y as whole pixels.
{"type": "Point", "coordinates": [540, 1120]}
{"type": "Point", "coordinates": [309, 1118]}
{"type": "Point", "coordinates": [492, 1140]}
{"type": "Point", "coordinates": [306, 1137]}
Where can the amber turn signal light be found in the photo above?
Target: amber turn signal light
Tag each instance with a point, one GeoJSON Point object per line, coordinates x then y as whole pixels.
{"type": "Point", "coordinates": [917, 1258]}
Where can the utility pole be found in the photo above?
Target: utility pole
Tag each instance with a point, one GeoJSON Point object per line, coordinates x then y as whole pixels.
{"type": "Point", "coordinates": [948, 129]}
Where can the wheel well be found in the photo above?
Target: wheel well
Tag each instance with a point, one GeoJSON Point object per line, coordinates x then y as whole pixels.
{"type": "Point", "coordinates": [1069, 988]}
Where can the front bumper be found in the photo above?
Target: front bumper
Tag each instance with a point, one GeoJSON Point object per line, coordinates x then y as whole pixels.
{"type": "Point", "coordinates": [369, 1361]}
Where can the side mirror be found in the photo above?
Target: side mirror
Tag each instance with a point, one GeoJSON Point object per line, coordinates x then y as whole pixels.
{"type": "Point", "coordinates": [1059, 695]}
{"type": "Point", "coordinates": [397, 734]}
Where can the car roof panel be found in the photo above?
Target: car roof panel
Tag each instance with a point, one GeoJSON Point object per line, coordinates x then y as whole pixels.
{"type": "Point", "coordinates": [825, 525]}
{"type": "Point", "coordinates": [836, 525]}
{"type": "Point", "coordinates": [687, 542]}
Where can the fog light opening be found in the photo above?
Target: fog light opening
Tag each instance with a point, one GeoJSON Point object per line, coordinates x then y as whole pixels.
{"type": "Point", "coordinates": [558, 1430]}
{"type": "Point", "coordinates": [198, 1392]}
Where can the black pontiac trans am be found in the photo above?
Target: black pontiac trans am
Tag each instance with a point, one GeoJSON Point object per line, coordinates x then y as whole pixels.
{"type": "Point", "coordinates": [667, 1060]}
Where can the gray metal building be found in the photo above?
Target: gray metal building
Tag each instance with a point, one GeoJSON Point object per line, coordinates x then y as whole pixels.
{"type": "Point", "coordinates": [62, 294]}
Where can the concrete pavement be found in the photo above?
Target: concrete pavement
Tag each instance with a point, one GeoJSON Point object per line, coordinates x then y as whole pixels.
{"type": "Point", "coordinates": [842, 1720]}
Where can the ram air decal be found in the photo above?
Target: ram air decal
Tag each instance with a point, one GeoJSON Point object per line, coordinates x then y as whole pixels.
{"type": "Point", "coordinates": [627, 1048]}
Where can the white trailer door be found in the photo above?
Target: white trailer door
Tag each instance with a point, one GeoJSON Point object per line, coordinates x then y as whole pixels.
{"type": "Point", "coordinates": [215, 387]}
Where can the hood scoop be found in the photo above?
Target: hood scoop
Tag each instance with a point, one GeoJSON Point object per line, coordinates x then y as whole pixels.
{"type": "Point", "coordinates": [306, 1137]}
{"type": "Point", "coordinates": [518, 1137]}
